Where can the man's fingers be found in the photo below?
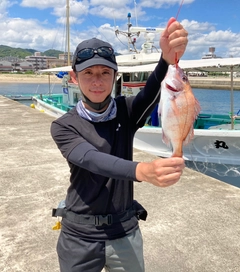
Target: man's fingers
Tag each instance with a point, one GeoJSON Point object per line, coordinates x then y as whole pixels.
{"type": "Point", "coordinates": [165, 33]}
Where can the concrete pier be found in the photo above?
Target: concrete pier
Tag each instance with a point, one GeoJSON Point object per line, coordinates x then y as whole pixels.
{"type": "Point", "coordinates": [223, 83]}
{"type": "Point", "coordinates": [191, 226]}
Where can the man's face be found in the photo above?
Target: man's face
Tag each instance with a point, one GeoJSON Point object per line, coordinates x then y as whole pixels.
{"type": "Point", "coordinates": [96, 82]}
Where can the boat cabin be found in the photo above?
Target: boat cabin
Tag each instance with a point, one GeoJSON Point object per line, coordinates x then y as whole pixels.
{"type": "Point", "coordinates": [129, 84]}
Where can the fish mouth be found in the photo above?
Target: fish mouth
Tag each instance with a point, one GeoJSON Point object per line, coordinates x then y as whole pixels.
{"type": "Point", "coordinates": [171, 88]}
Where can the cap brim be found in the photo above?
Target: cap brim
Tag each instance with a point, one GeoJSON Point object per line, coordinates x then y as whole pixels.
{"type": "Point", "coordinates": [95, 61]}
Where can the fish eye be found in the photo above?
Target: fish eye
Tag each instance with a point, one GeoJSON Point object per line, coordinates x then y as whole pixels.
{"type": "Point", "coordinates": [184, 78]}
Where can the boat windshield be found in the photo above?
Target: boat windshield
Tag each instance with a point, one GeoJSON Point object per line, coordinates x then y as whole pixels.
{"type": "Point", "coordinates": [135, 77]}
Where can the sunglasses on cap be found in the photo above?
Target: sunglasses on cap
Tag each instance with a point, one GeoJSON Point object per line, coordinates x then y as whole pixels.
{"type": "Point", "coordinates": [88, 53]}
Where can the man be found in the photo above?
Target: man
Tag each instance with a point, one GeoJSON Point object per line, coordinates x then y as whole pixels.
{"type": "Point", "coordinates": [100, 221]}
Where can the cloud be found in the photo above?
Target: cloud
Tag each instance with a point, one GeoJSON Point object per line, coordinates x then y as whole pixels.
{"type": "Point", "coordinates": [26, 34]}
{"type": "Point", "coordinates": [119, 14]}
{"type": "Point", "coordinates": [42, 35]}
{"type": "Point", "coordinates": [43, 4]}
{"type": "Point", "coordinates": [4, 5]}
{"type": "Point", "coordinates": [77, 9]}
{"type": "Point", "coordinates": [194, 26]}
{"type": "Point", "coordinates": [162, 3]}
{"type": "Point", "coordinates": [32, 33]}
{"type": "Point", "coordinates": [78, 12]}
{"type": "Point", "coordinates": [226, 43]}
{"type": "Point", "coordinates": [110, 3]}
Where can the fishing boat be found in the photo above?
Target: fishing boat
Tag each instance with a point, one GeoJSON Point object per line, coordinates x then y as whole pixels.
{"type": "Point", "coordinates": [216, 137]}
{"type": "Point", "coordinates": [19, 97]}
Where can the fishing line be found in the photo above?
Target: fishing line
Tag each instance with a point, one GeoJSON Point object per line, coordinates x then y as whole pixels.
{"type": "Point", "coordinates": [176, 64]}
{"type": "Point", "coordinates": [176, 55]}
{"type": "Point", "coordinates": [179, 9]}
{"type": "Point", "coordinates": [101, 33]}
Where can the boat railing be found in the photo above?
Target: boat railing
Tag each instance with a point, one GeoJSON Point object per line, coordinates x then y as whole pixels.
{"type": "Point", "coordinates": [206, 121]}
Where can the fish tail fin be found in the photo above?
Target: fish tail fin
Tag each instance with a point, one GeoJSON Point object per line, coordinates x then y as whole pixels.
{"type": "Point", "coordinates": [177, 151]}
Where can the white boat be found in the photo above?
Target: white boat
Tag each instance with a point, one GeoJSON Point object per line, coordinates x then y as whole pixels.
{"type": "Point", "coordinates": [217, 137]}
{"type": "Point", "coordinates": [219, 144]}
{"type": "Point", "coordinates": [19, 97]}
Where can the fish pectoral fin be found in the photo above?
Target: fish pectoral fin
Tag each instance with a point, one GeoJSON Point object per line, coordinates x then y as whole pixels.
{"type": "Point", "coordinates": [189, 137]}
{"type": "Point", "coordinates": [165, 139]}
{"type": "Point", "coordinates": [160, 108]}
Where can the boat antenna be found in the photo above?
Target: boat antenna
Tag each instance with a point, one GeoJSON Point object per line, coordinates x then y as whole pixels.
{"type": "Point", "coordinates": [68, 32]}
{"type": "Point", "coordinates": [114, 18]}
{"type": "Point", "coordinates": [135, 5]}
{"type": "Point", "coordinates": [129, 34]}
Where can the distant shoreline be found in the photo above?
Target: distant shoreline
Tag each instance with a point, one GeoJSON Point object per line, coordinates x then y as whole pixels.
{"type": "Point", "coordinates": [214, 83]}
{"type": "Point", "coordinates": [196, 82]}
{"type": "Point", "coordinates": [23, 78]}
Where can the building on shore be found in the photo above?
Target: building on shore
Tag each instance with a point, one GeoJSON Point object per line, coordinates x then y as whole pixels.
{"type": "Point", "coordinates": [61, 61]}
{"type": "Point", "coordinates": [211, 54]}
{"type": "Point", "coordinates": [33, 63]}
{"type": "Point", "coordinates": [15, 66]}
{"type": "Point", "coordinates": [38, 61]}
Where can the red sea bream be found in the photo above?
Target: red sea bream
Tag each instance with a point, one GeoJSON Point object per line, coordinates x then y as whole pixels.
{"type": "Point", "coordinates": [178, 109]}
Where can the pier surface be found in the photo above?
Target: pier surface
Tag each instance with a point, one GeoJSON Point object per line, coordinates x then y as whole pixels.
{"type": "Point", "coordinates": [211, 82]}
{"type": "Point", "coordinates": [191, 226]}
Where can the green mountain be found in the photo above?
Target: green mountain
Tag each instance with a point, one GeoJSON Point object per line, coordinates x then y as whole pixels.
{"type": "Point", "coordinates": [52, 53]}
{"type": "Point", "coordinates": [7, 51]}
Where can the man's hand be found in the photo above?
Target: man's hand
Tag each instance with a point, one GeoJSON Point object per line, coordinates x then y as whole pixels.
{"type": "Point", "coordinates": [173, 40]}
{"type": "Point", "coordinates": [160, 172]}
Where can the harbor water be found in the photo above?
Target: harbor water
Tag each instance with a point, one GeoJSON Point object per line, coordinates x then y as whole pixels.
{"type": "Point", "coordinates": [28, 88]}
{"type": "Point", "coordinates": [211, 101]}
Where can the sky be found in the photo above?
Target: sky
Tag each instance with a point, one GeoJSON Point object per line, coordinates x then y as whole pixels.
{"type": "Point", "coordinates": [41, 24]}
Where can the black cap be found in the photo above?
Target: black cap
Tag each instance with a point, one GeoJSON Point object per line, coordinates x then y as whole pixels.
{"type": "Point", "coordinates": [96, 59]}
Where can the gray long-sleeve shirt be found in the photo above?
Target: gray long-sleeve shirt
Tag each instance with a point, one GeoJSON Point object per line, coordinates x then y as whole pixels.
{"type": "Point", "coordinates": [100, 159]}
